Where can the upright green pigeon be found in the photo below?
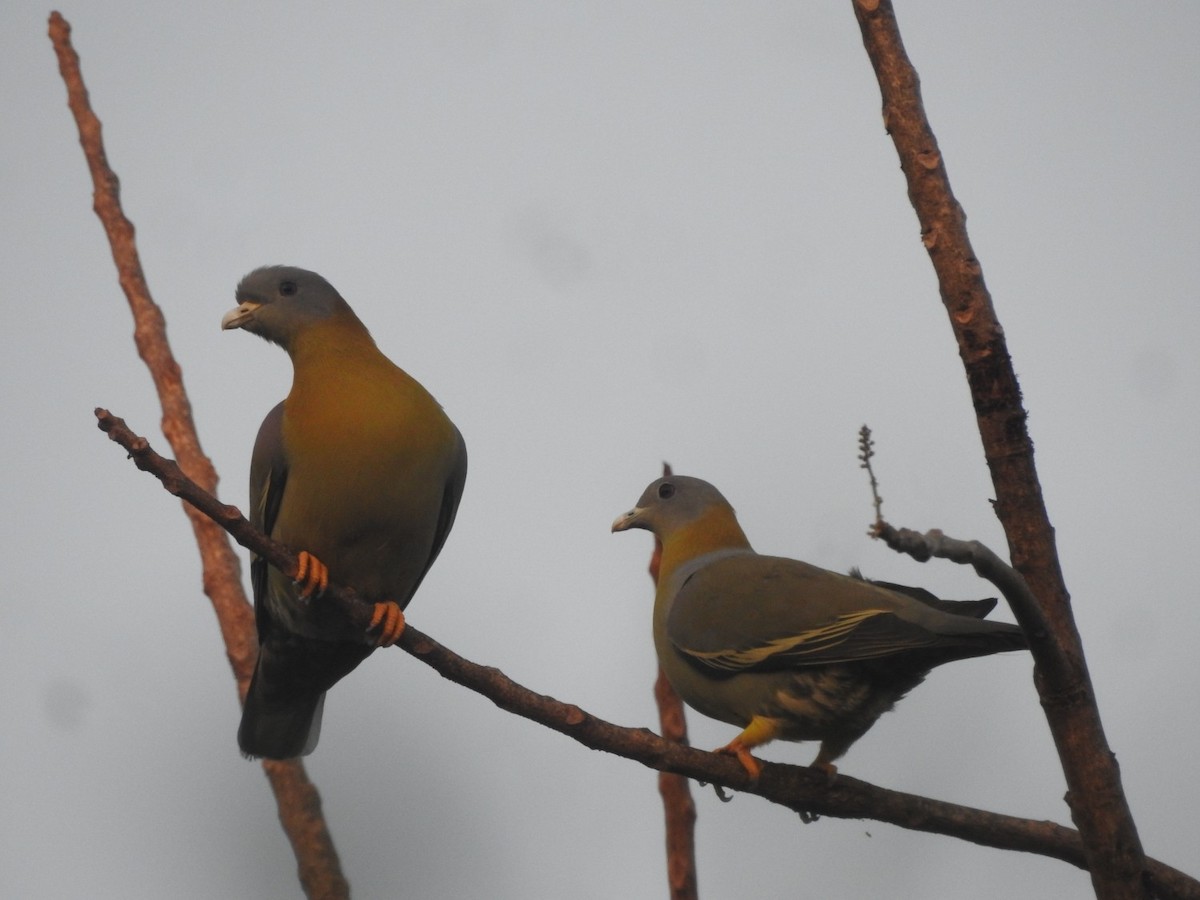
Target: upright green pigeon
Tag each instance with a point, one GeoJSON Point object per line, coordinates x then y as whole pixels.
{"type": "Point", "coordinates": [360, 471]}
{"type": "Point", "coordinates": [784, 649]}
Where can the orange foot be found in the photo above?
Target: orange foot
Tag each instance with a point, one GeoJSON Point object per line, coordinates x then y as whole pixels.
{"type": "Point", "coordinates": [736, 748]}
{"type": "Point", "coordinates": [828, 768]}
{"type": "Point", "coordinates": [825, 763]}
{"type": "Point", "coordinates": [312, 576]}
{"type": "Point", "coordinates": [389, 619]}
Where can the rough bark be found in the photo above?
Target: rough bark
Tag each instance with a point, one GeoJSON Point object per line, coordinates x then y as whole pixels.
{"type": "Point", "coordinates": [1095, 794]}
{"type": "Point", "coordinates": [297, 799]}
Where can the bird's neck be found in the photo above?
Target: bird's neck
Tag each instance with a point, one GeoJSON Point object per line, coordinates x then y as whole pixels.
{"type": "Point", "coordinates": [340, 336]}
{"type": "Point", "coordinates": [340, 377]}
{"type": "Point", "coordinates": [716, 529]}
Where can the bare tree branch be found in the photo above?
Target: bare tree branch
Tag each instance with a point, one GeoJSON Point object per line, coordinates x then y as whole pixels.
{"type": "Point", "coordinates": [923, 547]}
{"type": "Point", "coordinates": [297, 799]}
{"type": "Point", "coordinates": [987, 565]}
{"type": "Point", "coordinates": [798, 788]}
{"type": "Point", "coordinates": [679, 809]}
{"type": "Point", "coordinates": [1095, 793]}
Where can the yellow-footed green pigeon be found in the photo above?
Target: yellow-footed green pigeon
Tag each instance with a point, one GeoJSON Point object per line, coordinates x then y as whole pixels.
{"type": "Point", "coordinates": [360, 471]}
{"type": "Point", "coordinates": [784, 649]}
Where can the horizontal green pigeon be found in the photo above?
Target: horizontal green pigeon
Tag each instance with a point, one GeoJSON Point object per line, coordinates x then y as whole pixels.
{"type": "Point", "coordinates": [784, 649]}
{"type": "Point", "coordinates": [359, 471]}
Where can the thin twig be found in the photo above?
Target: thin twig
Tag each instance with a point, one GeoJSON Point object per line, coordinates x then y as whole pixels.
{"type": "Point", "coordinates": [795, 787]}
{"type": "Point", "coordinates": [866, 451]}
{"type": "Point", "coordinates": [296, 797]}
{"type": "Point", "coordinates": [924, 546]}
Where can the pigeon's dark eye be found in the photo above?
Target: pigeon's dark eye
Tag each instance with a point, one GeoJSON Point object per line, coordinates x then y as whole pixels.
{"type": "Point", "coordinates": [666, 491]}
{"type": "Point", "coordinates": [287, 288]}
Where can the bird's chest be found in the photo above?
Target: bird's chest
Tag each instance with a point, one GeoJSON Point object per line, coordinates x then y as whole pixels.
{"type": "Point", "coordinates": [363, 490]}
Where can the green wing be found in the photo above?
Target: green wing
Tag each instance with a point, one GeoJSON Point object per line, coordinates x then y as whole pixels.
{"type": "Point", "coordinates": [268, 477]}
{"type": "Point", "coordinates": [755, 613]}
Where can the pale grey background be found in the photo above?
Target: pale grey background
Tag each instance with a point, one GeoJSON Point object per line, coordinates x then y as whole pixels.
{"type": "Point", "coordinates": [603, 234]}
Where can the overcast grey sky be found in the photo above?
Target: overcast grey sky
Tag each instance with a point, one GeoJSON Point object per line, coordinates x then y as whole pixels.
{"type": "Point", "coordinates": [603, 235]}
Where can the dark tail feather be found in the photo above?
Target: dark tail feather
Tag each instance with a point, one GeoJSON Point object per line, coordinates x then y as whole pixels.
{"type": "Point", "coordinates": [984, 639]}
{"type": "Point", "coordinates": [285, 725]}
{"type": "Point", "coordinates": [976, 609]}
{"type": "Point", "coordinates": [1010, 637]}
{"type": "Point", "coordinates": [282, 715]}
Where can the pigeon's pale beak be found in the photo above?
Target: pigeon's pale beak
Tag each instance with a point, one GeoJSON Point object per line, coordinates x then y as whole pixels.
{"type": "Point", "coordinates": [631, 519]}
{"type": "Point", "coordinates": [239, 316]}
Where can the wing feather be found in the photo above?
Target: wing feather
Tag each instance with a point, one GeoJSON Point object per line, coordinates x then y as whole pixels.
{"type": "Point", "coordinates": [753, 613]}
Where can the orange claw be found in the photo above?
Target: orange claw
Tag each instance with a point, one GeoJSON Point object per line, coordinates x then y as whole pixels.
{"type": "Point", "coordinates": [389, 619]}
{"type": "Point", "coordinates": [736, 748]}
{"type": "Point", "coordinates": [312, 576]}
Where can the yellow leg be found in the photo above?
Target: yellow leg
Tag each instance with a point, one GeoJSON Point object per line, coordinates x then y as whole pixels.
{"type": "Point", "coordinates": [758, 732]}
